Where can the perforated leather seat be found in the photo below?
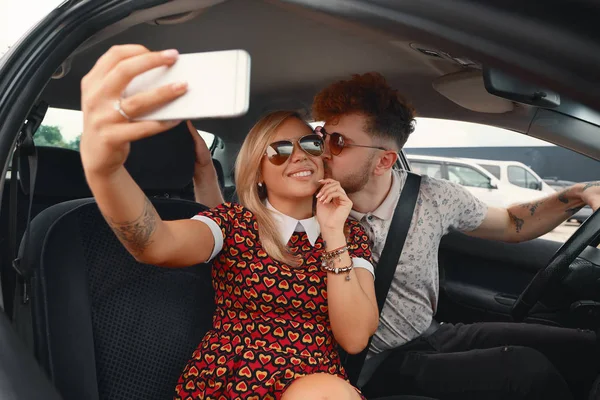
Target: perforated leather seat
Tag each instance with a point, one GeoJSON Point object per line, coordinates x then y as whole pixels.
{"type": "Point", "coordinates": [104, 325]}
{"type": "Point", "coordinates": [104, 322]}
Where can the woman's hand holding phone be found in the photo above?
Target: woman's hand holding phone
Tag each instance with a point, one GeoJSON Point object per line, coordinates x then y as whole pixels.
{"type": "Point", "coordinates": [108, 128]}
{"type": "Point", "coordinates": [132, 93]}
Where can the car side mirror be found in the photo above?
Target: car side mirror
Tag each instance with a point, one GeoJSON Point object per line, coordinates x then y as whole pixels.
{"type": "Point", "coordinates": [493, 183]}
{"type": "Point", "coordinates": [535, 185]}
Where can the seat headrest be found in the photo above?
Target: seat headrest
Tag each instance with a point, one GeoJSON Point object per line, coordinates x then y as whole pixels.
{"type": "Point", "coordinates": [59, 173]}
{"type": "Point", "coordinates": [164, 162]}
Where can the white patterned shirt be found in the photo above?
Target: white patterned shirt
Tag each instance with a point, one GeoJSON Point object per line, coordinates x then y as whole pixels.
{"type": "Point", "coordinates": [413, 296]}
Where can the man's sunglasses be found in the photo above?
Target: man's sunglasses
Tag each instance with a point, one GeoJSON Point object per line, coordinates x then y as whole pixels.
{"type": "Point", "coordinates": [279, 152]}
{"type": "Point", "coordinates": [337, 142]}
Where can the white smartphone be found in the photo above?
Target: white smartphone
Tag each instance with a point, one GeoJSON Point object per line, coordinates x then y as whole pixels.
{"type": "Point", "coordinates": [218, 86]}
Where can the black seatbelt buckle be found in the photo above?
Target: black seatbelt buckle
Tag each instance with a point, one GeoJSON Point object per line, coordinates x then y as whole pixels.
{"type": "Point", "coordinates": [16, 264]}
{"type": "Point", "coordinates": [23, 278]}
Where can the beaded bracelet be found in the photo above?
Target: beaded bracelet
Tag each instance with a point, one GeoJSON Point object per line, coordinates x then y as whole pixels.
{"type": "Point", "coordinates": [328, 255]}
{"type": "Point", "coordinates": [338, 270]}
{"type": "Point", "coordinates": [327, 258]}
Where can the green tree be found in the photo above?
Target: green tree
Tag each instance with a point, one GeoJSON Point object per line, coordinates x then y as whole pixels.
{"type": "Point", "coordinates": [48, 135]}
{"type": "Point", "coordinates": [74, 144]}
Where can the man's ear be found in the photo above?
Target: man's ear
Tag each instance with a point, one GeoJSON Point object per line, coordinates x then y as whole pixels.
{"type": "Point", "coordinates": [386, 161]}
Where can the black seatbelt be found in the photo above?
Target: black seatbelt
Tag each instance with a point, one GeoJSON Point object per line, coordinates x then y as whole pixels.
{"type": "Point", "coordinates": [25, 148]}
{"type": "Point", "coordinates": [386, 267]}
{"type": "Point", "coordinates": [21, 265]}
{"type": "Point", "coordinates": [22, 307]}
{"type": "Point", "coordinates": [12, 223]}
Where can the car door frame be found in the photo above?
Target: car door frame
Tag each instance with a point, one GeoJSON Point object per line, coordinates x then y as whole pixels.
{"type": "Point", "coordinates": [30, 64]}
{"type": "Point", "coordinates": [461, 291]}
{"type": "Point", "coordinates": [25, 70]}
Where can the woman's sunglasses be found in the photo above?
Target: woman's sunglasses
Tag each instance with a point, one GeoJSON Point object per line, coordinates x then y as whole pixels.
{"type": "Point", "coordinates": [279, 152]}
{"type": "Point", "coordinates": [337, 142]}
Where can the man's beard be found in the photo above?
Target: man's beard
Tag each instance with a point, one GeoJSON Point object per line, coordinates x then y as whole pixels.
{"type": "Point", "coordinates": [355, 182]}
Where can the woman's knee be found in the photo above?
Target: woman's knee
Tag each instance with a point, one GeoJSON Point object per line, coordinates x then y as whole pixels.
{"type": "Point", "coordinates": [320, 386]}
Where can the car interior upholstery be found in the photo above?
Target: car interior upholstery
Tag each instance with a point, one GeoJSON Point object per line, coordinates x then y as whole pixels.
{"type": "Point", "coordinates": [105, 326]}
{"type": "Point", "coordinates": [295, 52]}
{"type": "Point", "coordinates": [101, 324]}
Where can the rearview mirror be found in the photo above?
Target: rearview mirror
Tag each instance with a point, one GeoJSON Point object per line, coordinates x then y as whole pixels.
{"type": "Point", "coordinates": [508, 87]}
{"type": "Point", "coordinates": [493, 183]}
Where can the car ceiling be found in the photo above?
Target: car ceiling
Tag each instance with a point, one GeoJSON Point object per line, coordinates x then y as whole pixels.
{"type": "Point", "coordinates": [295, 52]}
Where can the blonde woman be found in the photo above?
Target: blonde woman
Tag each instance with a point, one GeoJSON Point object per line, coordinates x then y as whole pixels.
{"type": "Point", "coordinates": [289, 285]}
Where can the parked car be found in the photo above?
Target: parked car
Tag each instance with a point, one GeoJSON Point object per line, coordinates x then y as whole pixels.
{"type": "Point", "coordinates": [559, 185]}
{"type": "Point", "coordinates": [515, 174]}
{"type": "Point", "coordinates": [477, 179]}
{"type": "Point", "coordinates": [474, 178]}
{"type": "Point", "coordinates": [89, 322]}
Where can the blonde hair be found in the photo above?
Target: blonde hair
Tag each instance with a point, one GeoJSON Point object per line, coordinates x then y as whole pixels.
{"type": "Point", "coordinates": [247, 177]}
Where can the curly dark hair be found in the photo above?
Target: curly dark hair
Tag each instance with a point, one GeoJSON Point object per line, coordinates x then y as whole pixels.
{"type": "Point", "coordinates": [389, 115]}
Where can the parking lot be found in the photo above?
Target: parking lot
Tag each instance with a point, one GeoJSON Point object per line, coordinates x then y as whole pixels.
{"type": "Point", "coordinates": [562, 232]}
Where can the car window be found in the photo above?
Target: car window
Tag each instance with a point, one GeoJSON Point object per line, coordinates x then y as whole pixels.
{"type": "Point", "coordinates": [467, 176]}
{"type": "Point", "coordinates": [492, 169]}
{"type": "Point", "coordinates": [516, 176]}
{"type": "Point", "coordinates": [521, 177]}
{"type": "Point", "coordinates": [531, 181]}
{"type": "Point", "coordinates": [62, 128]}
{"type": "Point", "coordinates": [51, 135]}
{"type": "Point", "coordinates": [430, 169]}
{"type": "Point", "coordinates": [455, 139]}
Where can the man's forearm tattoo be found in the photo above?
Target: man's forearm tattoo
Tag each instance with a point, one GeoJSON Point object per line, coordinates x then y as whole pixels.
{"type": "Point", "coordinates": [517, 221]}
{"type": "Point", "coordinates": [562, 196]}
{"type": "Point", "coordinates": [590, 184]}
{"type": "Point", "coordinates": [532, 207]}
{"type": "Point", "coordinates": [136, 234]}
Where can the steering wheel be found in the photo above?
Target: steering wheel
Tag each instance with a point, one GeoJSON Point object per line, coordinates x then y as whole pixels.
{"type": "Point", "coordinates": [557, 268]}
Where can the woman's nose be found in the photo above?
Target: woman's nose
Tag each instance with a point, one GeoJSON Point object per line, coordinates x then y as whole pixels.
{"type": "Point", "coordinates": [298, 154]}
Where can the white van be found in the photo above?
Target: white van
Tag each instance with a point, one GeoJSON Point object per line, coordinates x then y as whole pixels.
{"type": "Point", "coordinates": [515, 174]}
{"type": "Point", "coordinates": [476, 179]}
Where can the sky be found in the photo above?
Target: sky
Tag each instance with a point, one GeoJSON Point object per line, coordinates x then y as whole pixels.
{"type": "Point", "coordinates": [18, 16]}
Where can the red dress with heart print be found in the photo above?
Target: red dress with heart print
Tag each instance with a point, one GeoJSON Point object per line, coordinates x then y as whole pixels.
{"type": "Point", "coordinates": [271, 324]}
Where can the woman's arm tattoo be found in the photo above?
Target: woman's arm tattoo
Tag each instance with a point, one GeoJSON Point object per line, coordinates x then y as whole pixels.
{"type": "Point", "coordinates": [136, 234]}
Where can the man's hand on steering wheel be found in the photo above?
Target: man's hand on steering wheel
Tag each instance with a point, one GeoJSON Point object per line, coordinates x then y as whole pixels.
{"type": "Point", "coordinates": [590, 194]}
{"type": "Point", "coordinates": [558, 267]}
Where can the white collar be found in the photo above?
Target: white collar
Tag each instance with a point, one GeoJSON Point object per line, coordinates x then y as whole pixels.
{"type": "Point", "coordinates": [288, 225]}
